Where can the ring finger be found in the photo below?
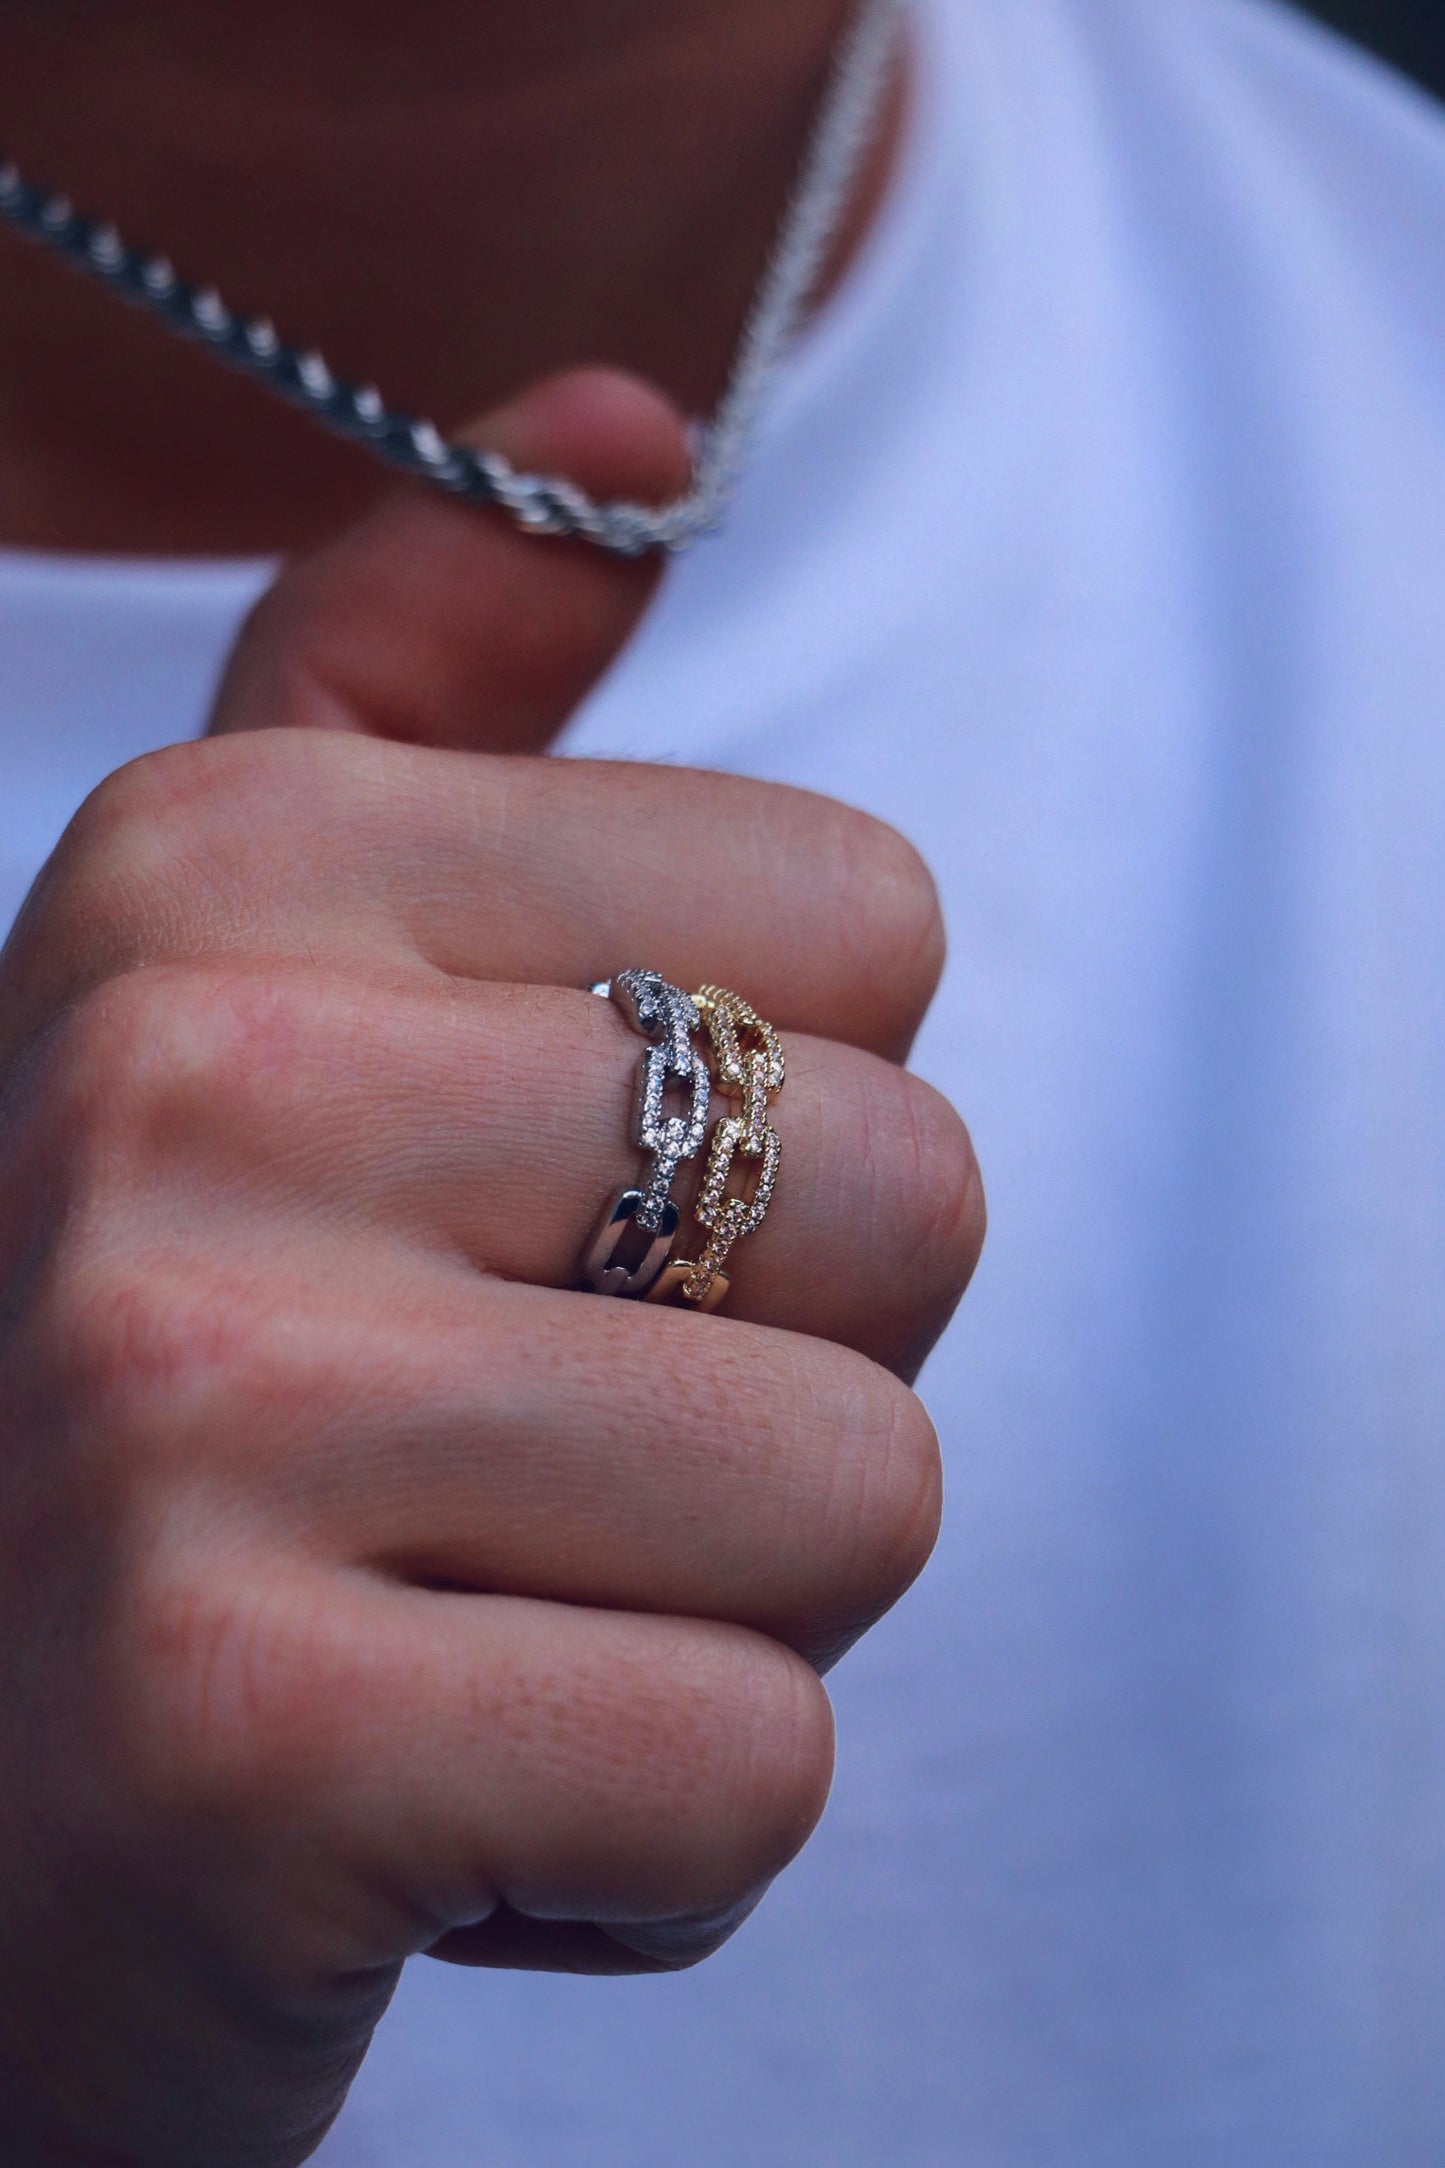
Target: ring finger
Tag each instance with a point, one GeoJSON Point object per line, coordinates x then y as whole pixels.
{"type": "Point", "coordinates": [495, 1122]}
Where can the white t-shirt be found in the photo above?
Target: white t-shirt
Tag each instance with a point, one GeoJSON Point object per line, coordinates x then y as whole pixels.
{"type": "Point", "coordinates": [1098, 541]}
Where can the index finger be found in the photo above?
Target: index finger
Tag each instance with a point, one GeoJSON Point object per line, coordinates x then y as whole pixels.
{"type": "Point", "coordinates": [543, 872]}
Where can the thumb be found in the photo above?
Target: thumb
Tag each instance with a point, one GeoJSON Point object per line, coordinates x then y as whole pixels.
{"type": "Point", "coordinates": [436, 623]}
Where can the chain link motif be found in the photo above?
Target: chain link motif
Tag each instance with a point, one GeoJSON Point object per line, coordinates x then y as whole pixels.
{"type": "Point", "coordinates": [752, 1069]}
{"type": "Point", "coordinates": [667, 1018]}
{"type": "Point", "coordinates": [540, 504]}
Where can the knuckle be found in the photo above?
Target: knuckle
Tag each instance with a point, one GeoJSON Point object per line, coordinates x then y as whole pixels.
{"type": "Point", "coordinates": [182, 844]}
{"type": "Point", "coordinates": [911, 1481]}
{"type": "Point", "coordinates": [784, 1766]}
{"type": "Point", "coordinates": [136, 1029]}
{"type": "Point", "coordinates": [238, 1693]}
{"type": "Point", "coordinates": [737, 1741]}
{"type": "Point", "coordinates": [135, 797]}
{"type": "Point", "coordinates": [890, 1496]}
{"type": "Point", "coordinates": [944, 1211]}
{"type": "Point", "coordinates": [131, 1326]}
{"type": "Point", "coordinates": [168, 1059]}
{"type": "Point", "coordinates": [225, 1676]}
{"type": "Point", "coordinates": [187, 1665]}
{"type": "Point", "coordinates": [142, 816]}
{"type": "Point", "coordinates": [903, 937]}
{"type": "Point", "coordinates": [109, 896]}
{"type": "Point", "coordinates": [86, 905]}
{"type": "Point", "coordinates": [138, 1348]}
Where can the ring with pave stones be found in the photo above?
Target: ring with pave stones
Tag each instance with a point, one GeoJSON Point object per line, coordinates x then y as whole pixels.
{"type": "Point", "coordinates": [635, 1235]}
{"type": "Point", "coordinates": [751, 1069]}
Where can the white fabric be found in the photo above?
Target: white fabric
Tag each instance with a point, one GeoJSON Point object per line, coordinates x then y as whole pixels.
{"type": "Point", "coordinates": [1098, 542]}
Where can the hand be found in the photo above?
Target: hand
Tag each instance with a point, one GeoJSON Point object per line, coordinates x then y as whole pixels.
{"type": "Point", "coordinates": [366, 1591]}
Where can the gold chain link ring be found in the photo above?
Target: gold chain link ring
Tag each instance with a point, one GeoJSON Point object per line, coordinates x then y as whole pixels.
{"type": "Point", "coordinates": [751, 1070]}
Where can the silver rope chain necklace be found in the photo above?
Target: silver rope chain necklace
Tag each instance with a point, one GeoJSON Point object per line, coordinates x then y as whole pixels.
{"type": "Point", "coordinates": [541, 504]}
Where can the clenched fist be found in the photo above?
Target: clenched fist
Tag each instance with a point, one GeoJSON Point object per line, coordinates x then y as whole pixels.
{"type": "Point", "coordinates": [366, 1590]}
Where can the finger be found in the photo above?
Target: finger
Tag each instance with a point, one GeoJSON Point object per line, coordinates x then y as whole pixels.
{"type": "Point", "coordinates": [407, 1762]}
{"type": "Point", "coordinates": [508, 1941]}
{"type": "Point", "coordinates": [492, 1124]}
{"type": "Point", "coordinates": [375, 1413]}
{"type": "Point", "coordinates": [436, 623]}
{"type": "Point", "coordinates": [390, 857]}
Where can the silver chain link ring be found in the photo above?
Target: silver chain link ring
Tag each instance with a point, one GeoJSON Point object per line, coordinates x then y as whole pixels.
{"type": "Point", "coordinates": [666, 1017]}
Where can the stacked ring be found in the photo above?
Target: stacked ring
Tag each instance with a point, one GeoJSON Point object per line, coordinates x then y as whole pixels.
{"type": "Point", "coordinates": [752, 1070]}
{"type": "Point", "coordinates": [630, 1255]}
{"type": "Point", "coordinates": [666, 1017]}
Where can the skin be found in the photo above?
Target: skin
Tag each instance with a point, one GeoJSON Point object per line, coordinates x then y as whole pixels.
{"type": "Point", "coordinates": [367, 1591]}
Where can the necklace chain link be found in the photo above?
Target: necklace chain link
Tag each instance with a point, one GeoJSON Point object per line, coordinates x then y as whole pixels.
{"type": "Point", "coordinates": [540, 504]}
